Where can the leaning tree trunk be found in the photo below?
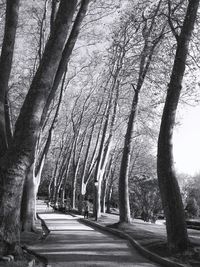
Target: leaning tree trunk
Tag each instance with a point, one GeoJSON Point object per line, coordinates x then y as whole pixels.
{"type": "Point", "coordinates": [124, 207]}
{"type": "Point", "coordinates": [83, 173]}
{"type": "Point", "coordinates": [78, 161]}
{"type": "Point", "coordinates": [14, 165]}
{"type": "Point", "coordinates": [28, 202]}
{"type": "Point", "coordinates": [109, 195]}
{"type": "Point", "coordinates": [145, 61]}
{"type": "Point", "coordinates": [105, 185]}
{"type": "Point", "coordinates": [103, 202]}
{"type": "Point", "coordinates": [30, 190]}
{"type": "Point", "coordinates": [12, 10]}
{"type": "Point", "coordinates": [105, 143]}
{"type": "Point", "coordinates": [67, 51]}
{"type": "Point", "coordinates": [169, 188]}
{"type": "Point", "coordinates": [32, 183]}
{"type": "Point", "coordinates": [87, 171]}
{"type": "Point", "coordinates": [75, 177]}
{"type": "Point", "coordinates": [8, 120]}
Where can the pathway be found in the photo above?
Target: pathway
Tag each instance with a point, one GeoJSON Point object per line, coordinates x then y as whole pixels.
{"type": "Point", "coordinates": [71, 243]}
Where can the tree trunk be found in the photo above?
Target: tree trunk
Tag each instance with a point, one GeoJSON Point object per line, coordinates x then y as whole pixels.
{"type": "Point", "coordinates": [67, 52]}
{"type": "Point", "coordinates": [75, 176]}
{"type": "Point", "coordinates": [8, 120]}
{"type": "Point", "coordinates": [124, 207]}
{"type": "Point", "coordinates": [107, 174]}
{"type": "Point", "coordinates": [37, 180]}
{"type": "Point", "coordinates": [85, 181]}
{"type": "Point", "coordinates": [103, 153]}
{"type": "Point", "coordinates": [54, 4]}
{"type": "Point", "coordinates": [18, 158]}
{"type": "Point", "coordinates": [12, 10]}
{"type": "Point", "coordinates": [97, 200]}
{"type": "Point", "coordinates": [82, 197]}
{"type": "Point", "coordinates": [169, 188]}
{"type": "Point", "coordinates": [28, 203]}
{"type": "Point", "coordinates": [59, 170]}
{"type": "Point", "coordinates": [51, 187]}
{"type": "Point", "coordinates": [64, 175]}
{"type": "Point", "coordinates": [145, 61]}
{"type": "Point", "coordinates": [103, 204]}
{"type": "Point", "coordinates": [109, 195]}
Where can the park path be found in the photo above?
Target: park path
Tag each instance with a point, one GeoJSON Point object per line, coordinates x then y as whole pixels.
{"type": "Point", "coordinates": [71, 243]}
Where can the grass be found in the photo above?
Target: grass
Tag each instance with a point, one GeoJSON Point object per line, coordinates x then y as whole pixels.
{"type": "Point", "coordinates": [153, 238]}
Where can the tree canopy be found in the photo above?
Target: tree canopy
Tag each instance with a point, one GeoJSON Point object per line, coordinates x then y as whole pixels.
{"type": "Point", "coordinates": [89, 92]}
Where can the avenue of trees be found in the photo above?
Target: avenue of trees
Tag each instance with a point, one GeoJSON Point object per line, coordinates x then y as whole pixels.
{"type": "Point", "coordinates": [89, 92]}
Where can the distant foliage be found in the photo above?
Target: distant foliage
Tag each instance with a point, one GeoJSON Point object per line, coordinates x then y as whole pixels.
{"type": "Point", "coordinates": [192, 208]}
{"type": "Point", "coordinates": [145, 198]}
{"type": "Point", "coordinates": [191, 196]}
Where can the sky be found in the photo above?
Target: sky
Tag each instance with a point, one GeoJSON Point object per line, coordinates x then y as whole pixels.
{"type": "Point", "coordinates": [187, 142]}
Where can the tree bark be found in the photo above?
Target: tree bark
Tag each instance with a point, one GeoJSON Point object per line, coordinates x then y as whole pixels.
{"type": "Point", "coordinates": [12, 10]}
{"type": "Point", "coordinates": [124, 207]}
{"type": "Point", "coordinates": [54, 4]}
{"type": "Point", "coordinates": [109, 195]}
{"type": "Point", "coordinates": [145, 61]}
{"type": "Point", "coordinates": [169, 188]}
{"type": "Point", "coordinates": [107, 174]}
{"type": "Point", "coordinates": [105, 143]}
{"type": "Point", "coordinates": [28, 202]}
{"type": "Point", "coordinates": [98, 171]}
{"type": "Point", "coordinates": [103, 204]}
{"type": "Point", "coordinates": [67, 52]}
{"type": "Point", "coordinates": [75, 177]}
{"type": "Point", "coordinates": [18, 158]}
{"type": "Point", "coordinates": [78, 160]}
{"type": "Point", "coordinates": [8, 120]}
{"type": "Point", "coordinates": [84, 181]}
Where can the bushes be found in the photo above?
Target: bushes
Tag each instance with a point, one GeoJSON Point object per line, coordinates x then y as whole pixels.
{"type": "Point", "coordinates": [192, 208]}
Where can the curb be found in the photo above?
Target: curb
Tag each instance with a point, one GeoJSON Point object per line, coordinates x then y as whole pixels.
{"type": "Point", "coordinates": [46, 232]}
{"type": "Point", "coordinates": [40, 258]}
{"type": "Point", "coordinates": [146, 253]}
{"type": "Point", "coordinates": [45, 228]}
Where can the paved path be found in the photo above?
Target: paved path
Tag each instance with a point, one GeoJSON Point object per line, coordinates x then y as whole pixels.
{"type": "Point", "coordinates": [71, 243]}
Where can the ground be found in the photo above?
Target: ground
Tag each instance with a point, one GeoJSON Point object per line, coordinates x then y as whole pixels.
{"type": "Point", "coordinates": [153, 237]}
{"type": "Point", "coordinates": [66, 240]}
{"type": "Point", "coordinates": [28, 259]}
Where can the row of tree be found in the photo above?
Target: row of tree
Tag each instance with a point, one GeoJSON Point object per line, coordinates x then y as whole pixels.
{"type": "Point", "coordinates": [115, 86]}
{"type": "Point", "coordinates": [137, 45]}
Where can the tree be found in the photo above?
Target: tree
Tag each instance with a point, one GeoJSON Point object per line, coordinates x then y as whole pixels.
{"type": "Point", "coordinates": [150, 43]}
{"type": "Point", "coordinates": [31, 185]}
{"type": "Point", "coordinates": [106, 139]}
{"type": "Point", "coordinates": [12, 11]}
{"type": "Point", "coordinates": [28, 210]}
{"type": "Point", "coordinates": [19, 156]}
{"type": "Point", "coordinates": [28, 205]}
{"type": "Point", "coordinates": [169, 189]}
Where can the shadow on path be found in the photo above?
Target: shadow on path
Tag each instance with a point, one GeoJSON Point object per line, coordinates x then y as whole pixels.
{"type": "Point", "coordinates": [71, 243]}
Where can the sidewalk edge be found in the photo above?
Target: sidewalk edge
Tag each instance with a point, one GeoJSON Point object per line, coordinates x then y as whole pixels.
{"type": "Point", "coordinates": [44, 228]}
{"type": "Point", "coordinates": [148, 254]}
{"type": "Point", "coordinates": [46, 231]}
{"type": "Point", "coordinates": [40, 258]}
